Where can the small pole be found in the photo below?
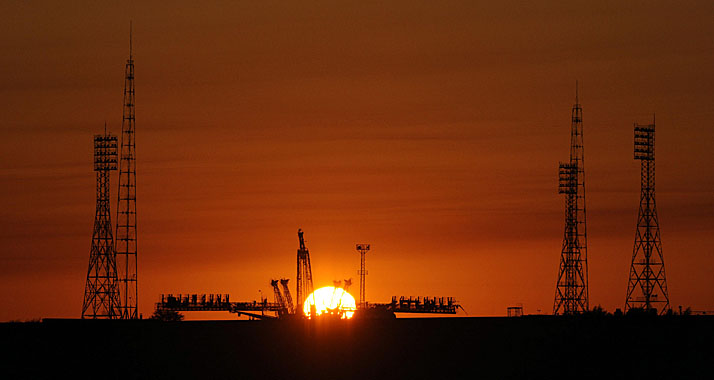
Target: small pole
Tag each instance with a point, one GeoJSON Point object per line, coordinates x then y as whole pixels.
{"type": "Point", "coordinates": [362, 249]}
{"type": "Point", "coordinates": [262, 305]}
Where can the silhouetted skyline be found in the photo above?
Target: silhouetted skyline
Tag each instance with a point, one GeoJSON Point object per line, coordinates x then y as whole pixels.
{"type": "Point", "coordinates": [431, 130]}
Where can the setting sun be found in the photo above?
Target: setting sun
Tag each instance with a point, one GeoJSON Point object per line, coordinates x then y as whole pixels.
{"type": "Point", "coordinates": [330, 300]}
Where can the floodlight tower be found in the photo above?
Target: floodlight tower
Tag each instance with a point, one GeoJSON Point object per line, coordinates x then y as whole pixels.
{"type": "Point", "coordinates": [362, 249]}
{"type": "Point", "coordinates": [304, 273]}
{"type": "Point", "coordinates": [647, 286]}
{"type": "Point", "coordinates": [571, 292]}
{"type": "Point", "coordinates": [101, 293]}
{"type": "Point", "coordinates": [126, 243]}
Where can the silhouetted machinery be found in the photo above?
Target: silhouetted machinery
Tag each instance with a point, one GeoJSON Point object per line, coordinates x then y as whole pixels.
{"type": "Point", "coordinates": [218, 302]}
{"type": "Point", "coordinates": [283, 306]}
{"type": "Point", "coordinates": [286, 295]}
{"type": "Point", "coordinates": [283, 299]}
{"type": "Point", "coordinates": [255, 309]}
{"type": "Point", "coordinates": [304, 272]}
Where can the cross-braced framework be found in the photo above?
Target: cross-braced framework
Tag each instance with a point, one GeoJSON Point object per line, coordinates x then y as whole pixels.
{"type": "Point", "coordinates": [101, 293]}
{"type": "Point", "coordinates": [126, 236]}
{"type": "Point", "coordinates": [362, 249]}
{"type": "Point", "coordinates": [571, 292]}
{"type": "Point", "coordinates": [304, 273]}
{"type": "Point", "coordinates": [279, 299]}
{"type": "Point", "coordinates": [647, 286]}
{"type": "Point", "coordinates": [288, 297]}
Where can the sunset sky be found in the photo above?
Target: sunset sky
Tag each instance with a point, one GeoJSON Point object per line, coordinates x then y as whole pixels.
{"type": "Point", "coordinates": [430, 129]}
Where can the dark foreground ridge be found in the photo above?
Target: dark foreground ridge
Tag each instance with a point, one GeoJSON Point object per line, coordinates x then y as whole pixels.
{"type": "Point", "coordinates": [523, 347]}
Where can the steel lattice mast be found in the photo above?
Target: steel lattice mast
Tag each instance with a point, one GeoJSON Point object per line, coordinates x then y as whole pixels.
{"type": "Point", "coordinates": [126, 236]}
{"type": "Point", "coordinates": [101, 293]}
{"type": "Point", "coordinates": [647, 286]}
{"type": "Point", "coordinates": [362, 249]}
{"type": "Point", "coordinates": [304, 273]}
{"type": "Point", "coordinates": [571, 292]}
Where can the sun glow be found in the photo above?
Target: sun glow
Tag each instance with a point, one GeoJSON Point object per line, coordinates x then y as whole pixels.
{"type": "Point", "coordinates": [330, 300]}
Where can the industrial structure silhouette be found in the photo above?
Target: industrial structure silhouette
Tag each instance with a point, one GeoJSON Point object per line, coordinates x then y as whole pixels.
{"type": "Point", "coordinates": [282, 306]}
{"type": "Point", "coordinates": [111, 290]}
{"type": "Point", "coordinates": [571, 291]}
{"type": "Point", "coordinates": [304, 271]}
{"type": "Point", "coordinates": [362, 249]}
{"type": "Point", "coordinates": [126, 243]}
{"type": "Point", "coordinates": [647, 286]}
{"type": "Point", "coordinates": [101, 292]}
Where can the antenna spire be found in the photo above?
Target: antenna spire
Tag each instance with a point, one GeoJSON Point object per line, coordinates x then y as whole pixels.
{"type": "Point", "coordinates": [576, 92]}
{"type": "Point", "coordinates": [131, 27]}
{"type": "Point", "coordinates": [126, 231]}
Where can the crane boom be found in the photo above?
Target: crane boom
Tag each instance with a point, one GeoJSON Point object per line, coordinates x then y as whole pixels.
{"type": "Point", "coordinates": [279, 298]}
{"type": "Point", "coordinates": [286, 295]}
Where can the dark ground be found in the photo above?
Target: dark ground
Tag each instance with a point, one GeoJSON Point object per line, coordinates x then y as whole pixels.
{"type": "Point", "coordinates": [680, 347]}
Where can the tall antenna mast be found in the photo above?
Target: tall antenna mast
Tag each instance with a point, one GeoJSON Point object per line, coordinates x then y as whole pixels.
{"type": "Point", "coordinates": [126, 236]}
{"type": "Point", "coordinates": [101, 292]}
{"type": "Point", "coordinates": [571, 292]}
{"type": "Point", "coordinates": [647, 286]}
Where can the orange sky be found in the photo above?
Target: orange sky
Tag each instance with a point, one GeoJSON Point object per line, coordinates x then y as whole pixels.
{"type": "Point", "coordinates": [431, 130]}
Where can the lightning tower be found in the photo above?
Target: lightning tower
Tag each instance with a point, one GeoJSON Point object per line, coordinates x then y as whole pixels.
{"type": "Point", "coordinates": [647, 286]}
{"type": "Point", "coordinates": [101, 293]}
{"type": "Point", "coordinates": [571, 292]}
{"type": "Point", "coordinates": [304, 273]}
{"type": "Point", "coordinates": [362, 249]}
{"type": "Point", "coordinates": [126, 243]}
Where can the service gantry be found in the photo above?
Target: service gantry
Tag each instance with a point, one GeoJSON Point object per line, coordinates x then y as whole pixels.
{"type": "Point", "coordinates": [126, 236]}
{"type": "Point", "coordinates": [647, 286]}
{"type": "Point", "coordinates": [571, 292]}
{"type": "Point", "coordinates": [304, 273]}
{"type": "Point", "coordinates": [101, 292]}
{"type": "Point", "coordinates": [257, 310]}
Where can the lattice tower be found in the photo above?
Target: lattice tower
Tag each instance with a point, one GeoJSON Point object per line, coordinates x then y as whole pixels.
{"type": "Point", "coordinates": [571, 293]}
{"type": "Point", "coordinates": [647, 285]}
{"type": "Point", "coordinates": [101, 292]}
{"type": "Point", "coordinates": [126, 236]}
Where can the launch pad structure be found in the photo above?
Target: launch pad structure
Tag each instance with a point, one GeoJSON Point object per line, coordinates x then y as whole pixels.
{"type": "Point", "coordinates": [282, 307]}
{"type": "Point", "coordinates": [256, 309]}
{"type": "Point", "coordinates": [111, 290]}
